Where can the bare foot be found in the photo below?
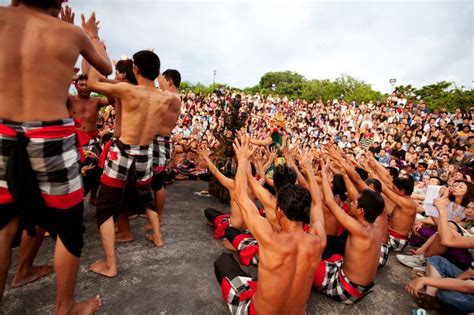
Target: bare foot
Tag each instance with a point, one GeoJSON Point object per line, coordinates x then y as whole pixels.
{"type": "Point", "coordinates": [228, 245]}
{"type": "Point", "coordinates": [100, 267]}
{"type": "Point", "coordinates": [87, 307]}
{"type": "Point", "coordinates": [147, 227]}
{"type": "Point", "coordinates": [157, 240]}
{"type": "Point", "coordinates": [35, 273]}
{"type": "Point", "coordinates": [121, 237]}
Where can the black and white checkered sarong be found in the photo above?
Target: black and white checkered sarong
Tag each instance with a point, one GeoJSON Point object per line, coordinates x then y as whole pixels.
{"type": "Point", "coordinates": [162, 150]}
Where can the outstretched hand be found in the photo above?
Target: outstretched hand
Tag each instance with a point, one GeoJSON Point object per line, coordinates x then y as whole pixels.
{"type": "Point", "coordinates": [415, 286]}
{"type": "Point", "coordinates": [67, 15]}
{"type": "Point", "coordinates": [442, 203]}
{"type": "Point", "coordinates": [241, 147]}
{"type": "Point", "coordinates": [90, 26]}
{"type": "Point", "coordinates": [306, 164]}
{"type": "Point", "coordinates": [204, 152]}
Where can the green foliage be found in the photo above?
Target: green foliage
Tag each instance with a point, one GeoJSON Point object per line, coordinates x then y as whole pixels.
{"type": "Point", "coordinates": [294, 85]}
{"type": "Point", "coordinates": [280, 79]}
{"type": "Point", "coordinates": [441, 95]}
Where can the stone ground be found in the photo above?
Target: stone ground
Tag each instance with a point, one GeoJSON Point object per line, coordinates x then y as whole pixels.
{"type": "Point", "coordinates": [179, 278]}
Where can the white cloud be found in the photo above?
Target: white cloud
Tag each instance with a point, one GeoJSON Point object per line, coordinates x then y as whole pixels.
{"type": "Point", "coordinates": [416, 42]}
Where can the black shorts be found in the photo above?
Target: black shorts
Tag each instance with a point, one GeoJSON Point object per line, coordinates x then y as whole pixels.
{"type": "Point", "coordinates": [68, 225]}
{"type": "Point", "coordinates": [158, 181]}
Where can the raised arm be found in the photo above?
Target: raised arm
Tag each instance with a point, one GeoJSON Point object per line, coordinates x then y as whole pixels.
{"type": "Point", "coordinates": [91, 48]}
{"type": "Point", "coordinates": [258, 226]}
{"type": "Point", "coordinates": [204, 153]}
{"type": "Point", "coordinates": [316, 219]}
{"type": "Point", "coordinates": [291, 163]}
{"type": "Point", "coordinates": [355, 177]}
{"type": "Point", "coordinates": [351, 189]}
{"type": "Point", "coordinates": [448, 238]}
{"type": "Point", "coordinates": [264, 196]}
{"type": "Point", "coordinates": [342, 217]}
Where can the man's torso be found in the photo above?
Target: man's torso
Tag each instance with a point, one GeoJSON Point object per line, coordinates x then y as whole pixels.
{"type": "Point", "coordinates": [87, 110]}
{"type": "Point", "coordinates": [37, 65]}
{"type": "Point", "coordinates": [400, 221]}
{"type": "Point", "coordinates": [285, 273]}
{"type": "Point", "coordinates": [148, 113]}
{"type": "Point", "coordinates": [362, 256]}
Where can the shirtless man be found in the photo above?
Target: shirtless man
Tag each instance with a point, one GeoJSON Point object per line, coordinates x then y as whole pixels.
{"type": "Point", "coordinates": [84, 108]}
{"type": "Point", "coordinates": [46, 53]}
{"type": "Point", "coordinates": [403, 215]}
{"type": "Point", "coordinates": [350, 278]}
{"type": "Point", "coordinates": [179, 154]}
{"type": "Point", "coordinates": [123, 73]}
{"type": "Point", "coordinates": [148, 112]}
{"type": "Point", "coordinates": [218, 219]}
{"type": "Point", "coordinates": [170, 81]}
{"type": "Point", "coordinates": [355, 184]}
{"type": "Point", "coordinates": [288, 257]}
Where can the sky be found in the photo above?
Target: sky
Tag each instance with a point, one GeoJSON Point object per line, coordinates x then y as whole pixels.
{"type": "Point", "coordinates": [415, 42]}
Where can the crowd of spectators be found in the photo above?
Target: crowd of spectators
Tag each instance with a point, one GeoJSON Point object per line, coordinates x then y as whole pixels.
{"type": "Point", "coordinates": [405, 135]}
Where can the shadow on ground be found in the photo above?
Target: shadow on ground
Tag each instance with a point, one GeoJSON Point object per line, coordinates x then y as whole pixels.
{"type": "Point", "coordinates": [179, 278]}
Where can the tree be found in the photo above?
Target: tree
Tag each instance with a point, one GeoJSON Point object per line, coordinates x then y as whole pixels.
{"type": "Point", "coordinates": [408, 90]}
{"type": "Point", "coordinates": [280, 78]}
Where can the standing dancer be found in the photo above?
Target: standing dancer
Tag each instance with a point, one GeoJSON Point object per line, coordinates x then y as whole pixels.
{"type": "Point", "coordinates": [148, 112]}
{"type": "Point", "coordinates": [40, 183]}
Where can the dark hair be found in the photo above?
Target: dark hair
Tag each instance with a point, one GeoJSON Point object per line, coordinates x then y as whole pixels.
{"type": "Point", "coordinates": [42, 4]}
{"type": "Point", "coordinates": [405, 184]}
{"type": "Point", "coordinates": [362, 173]}
{"type": "Point", "coordinates": [253, 169]}
{"type": "Point", "coordinates": [372, 203]}
{"type": "Point", "coordinates": [126, 66]}
{"type": "Point", "coordinates": [468, 197]}
{"type": "Point", "coordinates": [148, 63]}
{"type": "Point", "coordinates": [423, 164]}
{"type": "Point", "coordinates": [283, 175]}
{"type": "Point", "coordinates": [174, 76]}
{"type": "Point", "coordinates": [295, 202]}
{"type": "Point", "coordinates": [81, 77]}
{"type": "Point", "coordinates": [339, 187]}
{"type": "Point", "coordinates": [394, 172]}
{"type": "Point", "coordinates": [374, 182]}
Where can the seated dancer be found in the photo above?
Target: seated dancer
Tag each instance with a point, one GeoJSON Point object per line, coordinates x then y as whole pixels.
{"type": "Point", "coordinates": [403, 215]}
{"type": "Point", "coordinates": [218, 219]}
{"type": "Point", "coordinates": [288, 257]}
{"type": "Point", "coordinates": [350, 278]}
{"type": "Point", "coordinates": [244, 242]}
{"type": "Point", "coordinates": [148, 112]}
{"type": "Point", "coordinates": [38, 190]}
{"type": "Point", "coordinates": [354, 184]}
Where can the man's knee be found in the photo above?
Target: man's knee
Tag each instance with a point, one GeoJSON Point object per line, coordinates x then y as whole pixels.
{"type": "Point", "coordinates": [220, 265]}
{"type": "Point", "coordinates": [227, 266]}
{"type": "Point", "coordinates": [231, 233]}
{"type": "Point", "coordinates": [211, 214]}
